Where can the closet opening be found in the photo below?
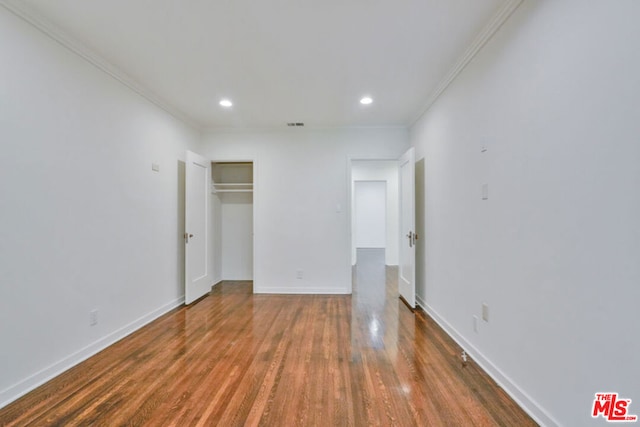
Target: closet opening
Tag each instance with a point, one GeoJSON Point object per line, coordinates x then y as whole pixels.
{"type": "Point", "coordinates": [233, 220]}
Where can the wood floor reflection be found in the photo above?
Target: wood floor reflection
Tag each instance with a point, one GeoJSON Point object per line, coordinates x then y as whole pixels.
{"type": "Point", "coordinates": [236, 359]}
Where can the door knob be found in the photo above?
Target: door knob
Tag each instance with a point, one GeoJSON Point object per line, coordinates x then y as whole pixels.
{"type": "Point", "coordinates": [412, 238]}
{"type": "Point", "coordinates": [187, 236]}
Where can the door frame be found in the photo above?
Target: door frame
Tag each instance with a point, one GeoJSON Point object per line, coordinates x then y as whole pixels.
{"type": "Point", "coordinates": [349, 211]}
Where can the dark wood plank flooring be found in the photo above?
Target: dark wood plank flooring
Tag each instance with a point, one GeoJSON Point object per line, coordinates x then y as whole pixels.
{"type": "Point", "coordinates": [238, 359]}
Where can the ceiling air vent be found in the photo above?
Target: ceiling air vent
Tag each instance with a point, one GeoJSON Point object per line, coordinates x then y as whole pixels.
{"type": "Point", "coordinates": [294, 124]}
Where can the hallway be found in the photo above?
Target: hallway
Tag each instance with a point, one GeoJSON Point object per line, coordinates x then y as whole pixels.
{"type": "Point", "coordinates": [235, 358]}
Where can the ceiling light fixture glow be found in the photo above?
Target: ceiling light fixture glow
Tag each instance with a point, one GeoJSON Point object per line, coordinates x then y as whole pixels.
{"type": "Point", "coordinates": [226, 103]}
{"type": "Point", "coordinates": [366, 100]}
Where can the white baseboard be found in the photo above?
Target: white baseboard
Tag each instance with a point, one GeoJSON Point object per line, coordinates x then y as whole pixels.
{"type": "Point", "coordinates": [26, 385]}
{"type": "Point", "coordinates": [301, 291]}
{"type": "Point", "coordinates": [530, 406]}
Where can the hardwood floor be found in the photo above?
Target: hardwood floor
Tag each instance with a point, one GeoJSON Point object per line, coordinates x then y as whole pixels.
{"type": "Point", "coordinates": [237, 359]}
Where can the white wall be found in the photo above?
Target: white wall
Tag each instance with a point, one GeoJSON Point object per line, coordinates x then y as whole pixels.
{"type": "Point", "coordinates": [384, 170]}
{"type": "Point", "coordinates": [236, 236]}
{"type": "Point", "coordinates": [84, 222]}
{"type": "Point", "coordinates": [370, 214]}
{"type": "Point", "coordinates": [301, 198]}
{"type": "Point", "coordinates": [555, 250]}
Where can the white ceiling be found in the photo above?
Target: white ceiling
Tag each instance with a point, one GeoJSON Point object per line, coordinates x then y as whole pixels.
{"type": "Point", "coordinates": [280, 60]}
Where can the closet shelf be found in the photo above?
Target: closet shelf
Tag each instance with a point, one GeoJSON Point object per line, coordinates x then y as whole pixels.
{"type": "Point", "coordinates": [232, 177]}
{"type": "Point", "coordinates": [234, 191]}
{"type": "Point", "coordinates": [233, 187]}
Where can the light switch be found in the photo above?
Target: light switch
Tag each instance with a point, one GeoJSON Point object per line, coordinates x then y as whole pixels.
{"type": "Point", "coordinates": [485, 191]}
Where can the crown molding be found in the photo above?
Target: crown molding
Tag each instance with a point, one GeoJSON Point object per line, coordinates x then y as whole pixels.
{"type": "Point", "coordinates": [310, 128]}
{"type": "Point", "coordinates": [27, 14]}
{"type": "Point", "coordinates": [485, 35]}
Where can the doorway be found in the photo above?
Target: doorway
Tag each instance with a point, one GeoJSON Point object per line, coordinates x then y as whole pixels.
{"type": "Point", "coordinates": [374, 218]}
{"type": "Point", "coordinates": [400, 240]}
{"type": "Point", "coordinates": [370, 210]}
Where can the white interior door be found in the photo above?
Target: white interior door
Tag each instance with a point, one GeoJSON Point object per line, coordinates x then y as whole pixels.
{"type": "Point", "coordinates": [196, 236]}
{"type": "Point", "coordinates": [407, 264]}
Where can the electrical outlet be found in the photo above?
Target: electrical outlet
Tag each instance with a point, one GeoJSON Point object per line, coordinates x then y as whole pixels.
{"type": "Point", "coordinates": [93, 318]}
{"type": "Point", "coordinates": [475, 324]}
{"type": "Point", "coordinates": [485, 311]}
{"type": "Point", "coordinates": [299, 274]}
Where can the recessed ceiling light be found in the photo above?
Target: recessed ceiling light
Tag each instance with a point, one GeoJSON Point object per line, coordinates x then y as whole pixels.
{"type": "Point", "coordinates": [226, 103]}
{"type": "Point", "coordinates": [366, 100]}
